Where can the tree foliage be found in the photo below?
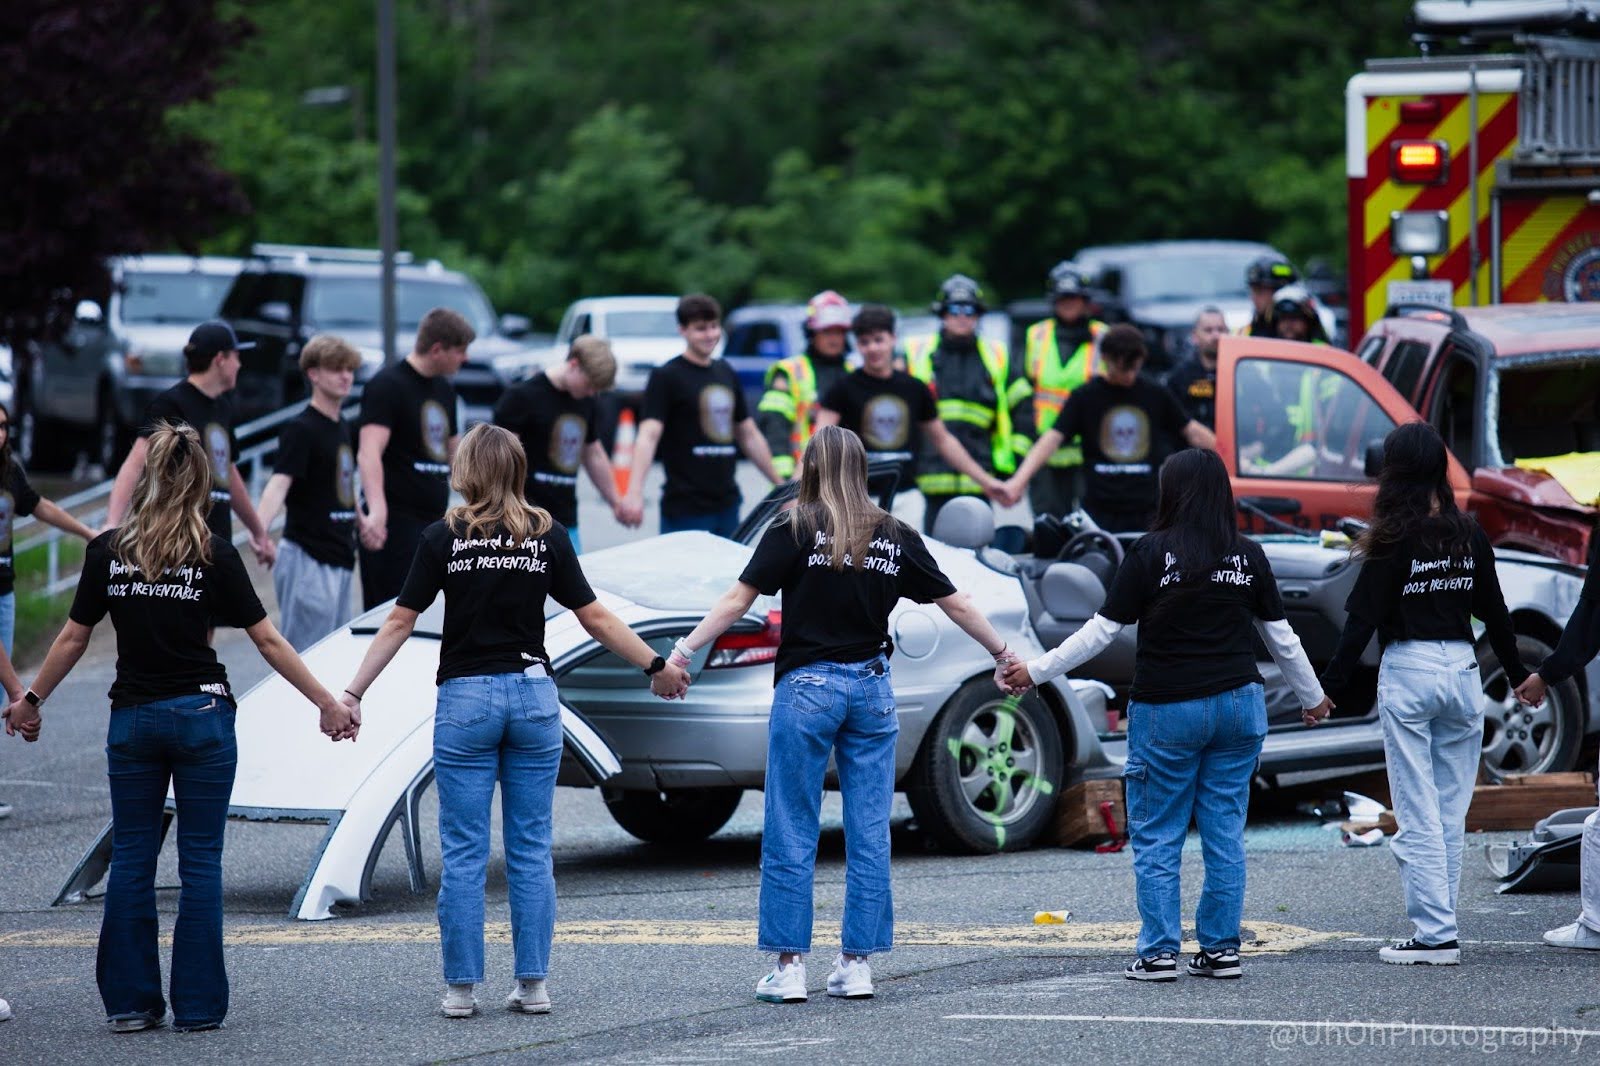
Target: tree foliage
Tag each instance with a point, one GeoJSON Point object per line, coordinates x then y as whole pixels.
{"type": "Point", "coordinates": [88, 164]}
{"type": "Point", "coordinates": [774, 147]}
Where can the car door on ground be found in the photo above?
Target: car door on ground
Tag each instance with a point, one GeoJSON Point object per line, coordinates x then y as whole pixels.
{"type": "Point", "coordinates": [1294, 422]}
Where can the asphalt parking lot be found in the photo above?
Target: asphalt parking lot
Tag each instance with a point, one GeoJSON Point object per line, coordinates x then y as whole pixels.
{"type": "Point", "coordinates": [654, 959]}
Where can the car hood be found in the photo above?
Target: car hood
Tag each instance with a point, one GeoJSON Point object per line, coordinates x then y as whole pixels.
{"type": "Point", "coordinates": [163, 337]}
{"type": "Point", "coordinates": [654, 350]}
{"type": "Point", "coordinates": [679, 573]}
{"type": "Point", "coordinates": [1530, 487]}
{"type": "Point", "coordinates": [484, 348]}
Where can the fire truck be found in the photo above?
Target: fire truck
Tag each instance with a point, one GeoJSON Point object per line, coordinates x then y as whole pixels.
{"type": "Point", "coordinates": [1474, 167]}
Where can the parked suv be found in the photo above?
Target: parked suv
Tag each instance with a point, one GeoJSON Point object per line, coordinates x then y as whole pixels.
{"type": "Point", "coordinates": [286, 294]}
{"type": "Point", "coordinates": [1300, 426]}
{"type": "Point", "coordinates": [89, 388]}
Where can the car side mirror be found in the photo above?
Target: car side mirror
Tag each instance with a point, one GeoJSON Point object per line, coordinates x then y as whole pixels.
{"type": "Point", "coordinates": [276, 311]}
{"type": "Point", "coordinates": [89, 311]}
{"type": "Point", "coordinates": [1374, 464]}
{"type": "Point", "coordinates": [515, 326]}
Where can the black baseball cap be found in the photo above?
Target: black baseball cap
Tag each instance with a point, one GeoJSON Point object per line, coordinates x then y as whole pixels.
{"type": "Point", "coordinates": [209, 338]}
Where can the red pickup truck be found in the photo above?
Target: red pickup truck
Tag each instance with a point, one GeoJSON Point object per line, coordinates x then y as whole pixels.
{"type": "Point", "coordinates": [1514, 389]}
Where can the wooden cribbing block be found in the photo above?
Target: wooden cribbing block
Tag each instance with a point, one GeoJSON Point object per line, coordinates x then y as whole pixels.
{"type": "Point", "coordinates": [1524, 799]}
{"type": "Point", "coordinates": [1079, 819]}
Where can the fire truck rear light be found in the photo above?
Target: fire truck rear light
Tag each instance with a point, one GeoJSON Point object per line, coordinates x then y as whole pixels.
{"type": "Point", "coordinates": [1419, 162]}
{"type": "Point", "coordinates": [1419, 111]}
{"type": "Point", "coordinates": [1419, 232]}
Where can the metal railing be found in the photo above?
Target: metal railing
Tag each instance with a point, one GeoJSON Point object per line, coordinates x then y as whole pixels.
{"type": "Point", "coordinates": [258, 447]}
{"type": "Point", "coordinates": [1558, 114]}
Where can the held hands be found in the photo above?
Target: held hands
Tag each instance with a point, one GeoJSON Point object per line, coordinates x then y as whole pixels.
{"type": "Point", "coordinates": [22, 718]}
{"type": "Point", "coordinates": [628, 512]}
{"type": "Point", "coordinates": [1318, 714]}
{"type": "Point", "coordinates": [266, 551]}
{"type": "Point", "coordinates": [373, 529]}
{"type": "Point", "coordinates": [1001, 492]}
{"type": "Point", "coordinates": [1011, 673]}
{"type": "Point", "coordinates": [671, 682]}
{"type": "Point", "coordinates": [1531, 691]}
{"type": "Point", "coordinates": [341, 718]}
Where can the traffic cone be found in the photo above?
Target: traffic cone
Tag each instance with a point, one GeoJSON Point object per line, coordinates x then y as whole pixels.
{"type": "Point", "coordinates": [622, 451]}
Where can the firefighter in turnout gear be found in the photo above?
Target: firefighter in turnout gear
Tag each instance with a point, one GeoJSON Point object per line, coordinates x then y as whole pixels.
{"type": "Point", "coordinates": [788, 409]}
{"type": "Point", "coordinates": [1265, 276]}
{"type": "Point", "coordinates": [984, 400]}
{"type": "Point", "coordinates": [1059, 357]}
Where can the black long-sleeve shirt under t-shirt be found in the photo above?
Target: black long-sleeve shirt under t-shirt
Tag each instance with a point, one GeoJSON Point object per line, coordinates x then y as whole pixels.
{"type": "Point", "coordinates": [1580, 640]}
{"type": "Point", "coordinates": [1415, 592]}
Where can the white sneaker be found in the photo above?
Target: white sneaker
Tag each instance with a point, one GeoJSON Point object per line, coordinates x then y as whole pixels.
{"type": "Point", "coordinates": [850, 979]}
{"type": "Point", "coordinates": [5, 1011]}
{"type": "Point", "coordinates": [529, 997]}
{"type": "Point", "coordinates": [5, 810]}
{"type": "Point", "coordinates": [785, 984]}
{"type": "Point", "coordinates": [1576, 935]}
{"type": "Point", "coordinates": [459, 1002]}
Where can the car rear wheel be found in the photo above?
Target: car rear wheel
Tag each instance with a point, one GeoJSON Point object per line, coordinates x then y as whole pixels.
{"type": "Point", "coordinates": [678, 817]}
{"type": "Point", "coordinates": [1528, 740]}
{"type": "Point", "coordinates": [986, 776]}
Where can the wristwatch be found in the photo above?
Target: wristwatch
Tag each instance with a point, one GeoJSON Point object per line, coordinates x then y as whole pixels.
{"type": "Point", "coordinates": [657, 665]}
{"type": "Point", "coordinates": [32, 697]}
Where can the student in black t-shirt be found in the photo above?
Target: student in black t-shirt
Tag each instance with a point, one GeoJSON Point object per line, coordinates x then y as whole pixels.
{"type": "Point", "coordinates": [1579, 644]}
{"type": "Point", "coordinates": [407, 436]}
{"type": "Point", "coordinates": [1200, 592]}
{"type": "Point", "coordinates": [497, 558]}
{"type": "Point", "coordinates": [1128, 424]}
{"type": "Point", "coordinates": [314, 474]}
{"type": "Point", "coordinates": [842, 564]}
{"type": "Point", "coordinates": [694, 410]}
{"type": "Point", "coordinates": [1194, 382]}
{"type": "Point", "coordinates": [1427, 570]}
{"type": "Point", "coordinates": [890, 410]}
{"type": "Point", "coordinates": [201, 400]}
{"type": "Point", "coordinates": [165, 579]}
{"type": "Point", "coordinates": [553, 414]}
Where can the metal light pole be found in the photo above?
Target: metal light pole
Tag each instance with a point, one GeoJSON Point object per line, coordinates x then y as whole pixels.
{"type": "Point", "coordinates": [387, 223]}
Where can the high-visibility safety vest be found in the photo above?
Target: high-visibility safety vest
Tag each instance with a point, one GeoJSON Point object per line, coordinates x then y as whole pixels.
{"type": "Point", "coordinates": [797, 403]}
{"type": "Point", "coordinates": [1004, 445]}
{"type": "Point", "coordinates": [1054, 380]}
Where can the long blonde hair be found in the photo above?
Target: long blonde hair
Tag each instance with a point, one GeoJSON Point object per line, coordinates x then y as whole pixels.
{"type": "Point", "coordinates": [833, 496]}
{"type": "Point", "coordinates": [166, 526]}
{"type": "Point", "coordinates": [490, 470]}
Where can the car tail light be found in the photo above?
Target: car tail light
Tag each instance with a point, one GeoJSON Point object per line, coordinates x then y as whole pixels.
{"type": "Point", "coordinates": [749, 648]}
{"type": "Point", "coordinates": [1419, 162]}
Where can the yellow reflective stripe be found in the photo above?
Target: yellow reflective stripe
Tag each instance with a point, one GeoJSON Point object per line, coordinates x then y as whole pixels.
{"type": "Point", "coordinates": [1018, 391]}
{"type": "Point", "coordinates": [951, 484]}
{"type": "Point", "coordinates": [784, 465]}
{"type": "Point", "coordinates": [975, 414]}
{"type": "Point", "coordinates": [1067, 455]}
{"type": "Point", "coordinates": [778, 403]}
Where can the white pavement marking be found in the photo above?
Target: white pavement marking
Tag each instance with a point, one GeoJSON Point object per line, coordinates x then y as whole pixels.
{"type": "Point", "coordinates": [1474, 943]}
{"type": "Point", "coordinates": [1294, 1025]}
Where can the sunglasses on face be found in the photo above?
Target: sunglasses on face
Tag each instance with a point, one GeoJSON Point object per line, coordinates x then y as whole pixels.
{"type": "Point", "coordinates": [962, 310]}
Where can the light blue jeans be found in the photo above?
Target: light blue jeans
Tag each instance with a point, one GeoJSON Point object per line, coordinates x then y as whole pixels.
{"type": "Point", "coordinates": [503, 727]}
{"type": "Point", "coordinates": [8, 621]}
{"type": "Point", "coordinates": [846, 709]}
{"type": "Point", "coordinates": [1430, 701]}
{"type": "Point", "coordinates": [1191, 760]}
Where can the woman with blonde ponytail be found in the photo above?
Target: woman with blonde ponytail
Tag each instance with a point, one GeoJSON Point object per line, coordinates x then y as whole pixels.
{"type": "Point", "coordinates": [497, 558]}
{"type": "Point", "coordinates": [165, 579]}
{"type": "Point", "coordinates": [841, 563]}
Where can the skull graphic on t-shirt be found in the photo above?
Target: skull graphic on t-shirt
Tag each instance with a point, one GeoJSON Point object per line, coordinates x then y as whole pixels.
{"type": "Point", "coordinates": [435, 431]}
{"type": "Point", "coordinates": [1125, 434]}
{"type": "Point", "coordinates": [344, 484]}
{"type": "Point", "coordinates": [566, 442]}
{"type": "Point", "coordinates": [716, 413]}
{"type": "Point", "coordinates": [885, 422]}
{"type": "Point", "coordinates": [221, 449]}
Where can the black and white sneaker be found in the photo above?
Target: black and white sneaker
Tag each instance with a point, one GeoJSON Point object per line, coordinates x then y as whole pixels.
{"type": "Point", "coordinates": [1415, 953]}
{"type": "Point", "coordinates": [1162, 967]}
{"type": "Point", "coordinates": [1223, 964]}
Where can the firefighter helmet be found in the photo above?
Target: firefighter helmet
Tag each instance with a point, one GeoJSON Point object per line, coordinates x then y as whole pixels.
{"type": "Point", "coordinates": [1273, 270]}
{"type": "Point", "coordinates": [1067, 279]}
{"type": "Point", "coordinates": [1294, 300]}
{"type": "Point", "coordinates": [827, 310]}
{"type": "Point", "coordinates": [961, 291]}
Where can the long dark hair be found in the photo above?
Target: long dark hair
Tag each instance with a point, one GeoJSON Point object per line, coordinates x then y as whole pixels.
{"type": "Point", "coordinates": [1414, 484]}
{"type": "Point", "coordinates": [1195, 519]}
{"type": "Point", "coordinates": [5, 449]}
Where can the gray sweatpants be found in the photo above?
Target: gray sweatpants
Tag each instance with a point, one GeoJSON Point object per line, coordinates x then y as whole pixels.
{"type": "Point", "coordinates": [313, 597]}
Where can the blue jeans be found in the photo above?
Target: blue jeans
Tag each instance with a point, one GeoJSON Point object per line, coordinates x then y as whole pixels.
{"type": "Point", "coordinates": [8, 621]}
{"type": "Point", "coordinates": [188, 740]}
{"type": "Point", "coordinates": [722, 523]}
{"type": "Point", "coordinates": [1430, 701]}
{"type": "Point", "coordinates": [1191, 760]}
{"type": "Point", "coordinates": [846, 709]}
{"type": "Point", "coordinates": [503, 727]}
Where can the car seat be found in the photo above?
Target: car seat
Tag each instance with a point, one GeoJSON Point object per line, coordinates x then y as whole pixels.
{"type": "Point", "coordinates": [965, 522]}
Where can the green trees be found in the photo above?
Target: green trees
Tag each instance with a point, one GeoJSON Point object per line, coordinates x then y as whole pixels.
{"type": "Point", "coordinates": [768, 148]}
